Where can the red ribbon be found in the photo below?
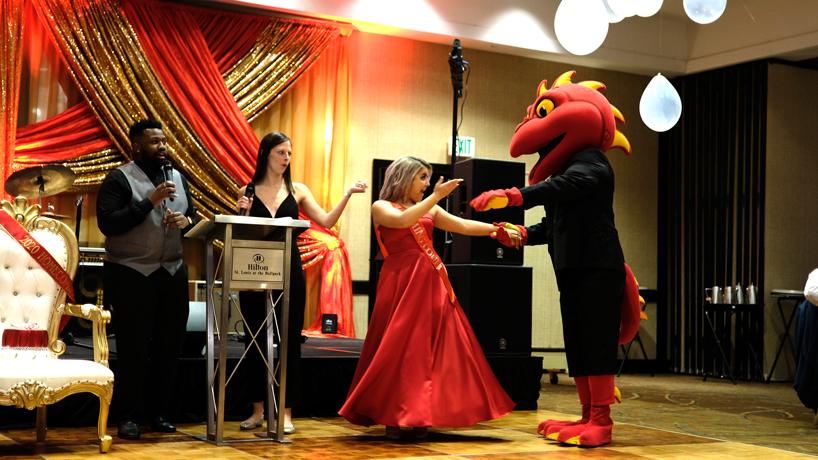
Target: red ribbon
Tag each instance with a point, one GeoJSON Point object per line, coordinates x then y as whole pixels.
{"type": "Point", "coordinates": [23, 338]}
{"type": "Point", "coordinates": [38, 252]}
{"type": "Point", "coordinates": [426, 246]}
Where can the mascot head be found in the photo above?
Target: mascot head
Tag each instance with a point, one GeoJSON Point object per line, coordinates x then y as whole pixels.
{"type": "Point", "coordinates": [565, 120]}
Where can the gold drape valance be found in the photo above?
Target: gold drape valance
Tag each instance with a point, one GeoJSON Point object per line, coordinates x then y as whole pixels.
{"type": "Point", "coordinates": [283, 52]}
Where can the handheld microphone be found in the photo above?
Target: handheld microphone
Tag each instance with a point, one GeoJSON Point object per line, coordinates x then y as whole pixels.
{"type": "Point", "coordinates": [167, 170]}
{"type": "Point", "coordinates": [248, 192]}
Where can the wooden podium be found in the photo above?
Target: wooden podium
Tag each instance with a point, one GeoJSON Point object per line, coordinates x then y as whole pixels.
{"type": "Point", "coordinates": [256, 257]}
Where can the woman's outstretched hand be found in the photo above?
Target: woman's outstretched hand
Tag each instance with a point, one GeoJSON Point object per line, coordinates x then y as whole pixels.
{"type": "Point", "coordinates": [443, 189]}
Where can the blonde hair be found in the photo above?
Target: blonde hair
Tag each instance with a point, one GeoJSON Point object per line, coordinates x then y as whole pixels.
{"type": "Point", "coordinates": [399, 176]}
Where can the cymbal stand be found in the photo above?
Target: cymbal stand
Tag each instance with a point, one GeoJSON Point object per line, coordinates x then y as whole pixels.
{"type": "Point", "coordinates": [41, 181]}
{"type": "Point", "coordinates": [79, 216]}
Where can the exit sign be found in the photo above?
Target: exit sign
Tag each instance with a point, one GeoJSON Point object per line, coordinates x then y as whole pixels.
{"type": "Point", "coordinates": [465, 147]}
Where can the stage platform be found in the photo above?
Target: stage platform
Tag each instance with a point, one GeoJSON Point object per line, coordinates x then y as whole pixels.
{"type": "Point", "coordinates": [328, 365]}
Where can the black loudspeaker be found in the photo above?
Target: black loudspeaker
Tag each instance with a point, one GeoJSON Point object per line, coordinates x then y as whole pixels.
{"type": "Point", "coordinates": [480, 175]}
{"type": "Point", "coordinates": [497, 301]}
{"type": "Point", "coordinates": [196, 337]}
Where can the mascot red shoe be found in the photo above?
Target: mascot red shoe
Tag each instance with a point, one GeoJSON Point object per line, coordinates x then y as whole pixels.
{"type": "Point", "coordinates": [570, 126]}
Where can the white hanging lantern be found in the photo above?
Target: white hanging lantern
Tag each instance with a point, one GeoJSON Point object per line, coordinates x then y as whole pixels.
{"type": "Point", "coordinates": [647, 8]}
{"type": "Point", "coordinates": [613, 17]}
{"type": "Point", "coordinates": [704, 11]}
{"type": "Point", "coordinates": [624, 8]}
{"type": "Point", "coordinates": [660, 106]}
{"type": "Point", "coordinates": [581, 25]}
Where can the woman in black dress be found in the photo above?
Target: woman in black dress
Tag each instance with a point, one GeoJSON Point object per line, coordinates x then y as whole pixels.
{"type": "Point", "coordinates": [276, 195]}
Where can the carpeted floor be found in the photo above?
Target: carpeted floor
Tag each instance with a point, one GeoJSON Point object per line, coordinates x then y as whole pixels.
{"type": "Point", "coordinates": [769, 415]}
{"type": "Point", "coordinates": [667, 417]}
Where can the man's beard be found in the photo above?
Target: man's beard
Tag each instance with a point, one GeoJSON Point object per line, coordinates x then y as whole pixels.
{"type": "Point", "coordinates": [154, 162]}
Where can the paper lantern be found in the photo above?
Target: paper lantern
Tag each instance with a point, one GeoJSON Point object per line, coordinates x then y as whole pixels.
{"type": "Point", "coordinates": [581, 25]}
{"type": "Point", "coordinates": [624, 8]}
{"type": "Point", "coordinates": [704, 11]}
{"type": "Point", "coordinates": [660, 106]}
{"type": "Point", "coordinates": [647, 8]}
{"type": "Point", "coordinates": [613, 17]}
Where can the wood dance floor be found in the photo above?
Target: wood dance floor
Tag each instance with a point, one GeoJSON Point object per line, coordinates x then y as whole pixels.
{"type": "Point", "coordinates": [666, 417]}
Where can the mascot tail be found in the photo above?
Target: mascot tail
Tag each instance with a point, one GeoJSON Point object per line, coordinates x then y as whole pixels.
{"type": "Point", "coordinates": [632, 312]}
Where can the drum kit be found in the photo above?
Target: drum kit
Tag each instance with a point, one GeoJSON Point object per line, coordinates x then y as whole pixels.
{"type": "Point", "coordinates": [44, 180]}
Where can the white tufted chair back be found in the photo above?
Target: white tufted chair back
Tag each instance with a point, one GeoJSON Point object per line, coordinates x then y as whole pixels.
{"type": "Point", "coordinates": [29, 297]}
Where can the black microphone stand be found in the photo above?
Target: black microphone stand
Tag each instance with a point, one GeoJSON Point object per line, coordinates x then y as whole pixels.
{"type": "Point", "coordinates": [456, 66]}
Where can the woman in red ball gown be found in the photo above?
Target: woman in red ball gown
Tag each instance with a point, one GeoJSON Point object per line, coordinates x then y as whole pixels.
{"type": "Point", "coordinates": [421, 364]}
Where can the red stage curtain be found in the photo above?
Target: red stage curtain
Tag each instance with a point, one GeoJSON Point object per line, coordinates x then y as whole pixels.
{"type": "Point", "coordinates": [77, 131]}
{"type": "Point", "coordinates": [179, 55]}
{"type": "Point", "coordinates": [122, 86]}
{"type": "Point", "coordinates": [71, 134]}
{"type": "Point", "coordinates": [322, 250]}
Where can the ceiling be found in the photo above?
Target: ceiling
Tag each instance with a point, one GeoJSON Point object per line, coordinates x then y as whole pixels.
{"type": "Point", "coordinates": [668, 42]}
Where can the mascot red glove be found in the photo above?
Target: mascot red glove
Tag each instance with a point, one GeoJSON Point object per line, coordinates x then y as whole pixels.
{"type": "Point", "coordinates": [497, 199]}
{"type": "Point", "coordinates": [505, 239]}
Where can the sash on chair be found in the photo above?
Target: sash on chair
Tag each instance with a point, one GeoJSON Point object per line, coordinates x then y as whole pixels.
{"type": "Point", "coordinates": [30, 338]}
{"type": "Point", "coordinates": [38, 252]}
{"type": "Point", "coordinates": [419, 232]}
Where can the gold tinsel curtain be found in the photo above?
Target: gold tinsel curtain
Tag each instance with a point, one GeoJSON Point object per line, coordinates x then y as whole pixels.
{"type": "Point", "coordinates": [11, 63]}
{"type": "Point", "coordinates": [284, 51]}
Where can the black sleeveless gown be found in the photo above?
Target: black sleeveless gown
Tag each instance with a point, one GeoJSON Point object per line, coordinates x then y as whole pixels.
{"type": "Point", "coordinates": [253, 307]}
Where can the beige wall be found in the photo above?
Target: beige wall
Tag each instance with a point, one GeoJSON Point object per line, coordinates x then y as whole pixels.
{"type": "Point", "coordinates": [402, 104]}
{"type": "Point", "coordinates": [790, 245]}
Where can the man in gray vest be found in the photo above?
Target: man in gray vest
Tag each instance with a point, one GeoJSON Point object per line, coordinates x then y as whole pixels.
{"type": "Point", "coordinates": [143, 219]}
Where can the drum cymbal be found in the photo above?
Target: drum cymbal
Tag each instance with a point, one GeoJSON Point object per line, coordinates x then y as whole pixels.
{"type": "Point", "coordinates": [53, 179]}
{"type": "Point", "coordinates": [55, 216]}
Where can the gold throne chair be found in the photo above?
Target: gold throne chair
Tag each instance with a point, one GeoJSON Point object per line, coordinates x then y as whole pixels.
{"type": "Point", "coordinates": [31, 307]}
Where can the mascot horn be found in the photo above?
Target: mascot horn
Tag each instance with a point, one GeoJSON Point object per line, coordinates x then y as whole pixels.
{"type": "Point", "coordinates": [571, 126]}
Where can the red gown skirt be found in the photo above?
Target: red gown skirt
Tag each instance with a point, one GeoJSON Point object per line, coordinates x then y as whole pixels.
{"type": "Point", "coordinates": [421, 364]}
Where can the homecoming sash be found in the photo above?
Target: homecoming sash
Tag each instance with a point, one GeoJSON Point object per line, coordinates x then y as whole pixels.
{"type": "Point", "coordinates": [422, 239]}
{"type": "Point", "coordinates": [38, 252]}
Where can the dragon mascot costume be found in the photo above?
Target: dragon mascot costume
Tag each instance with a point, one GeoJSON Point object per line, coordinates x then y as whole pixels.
{"type": "Point", "coordinates": [571, 125]}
